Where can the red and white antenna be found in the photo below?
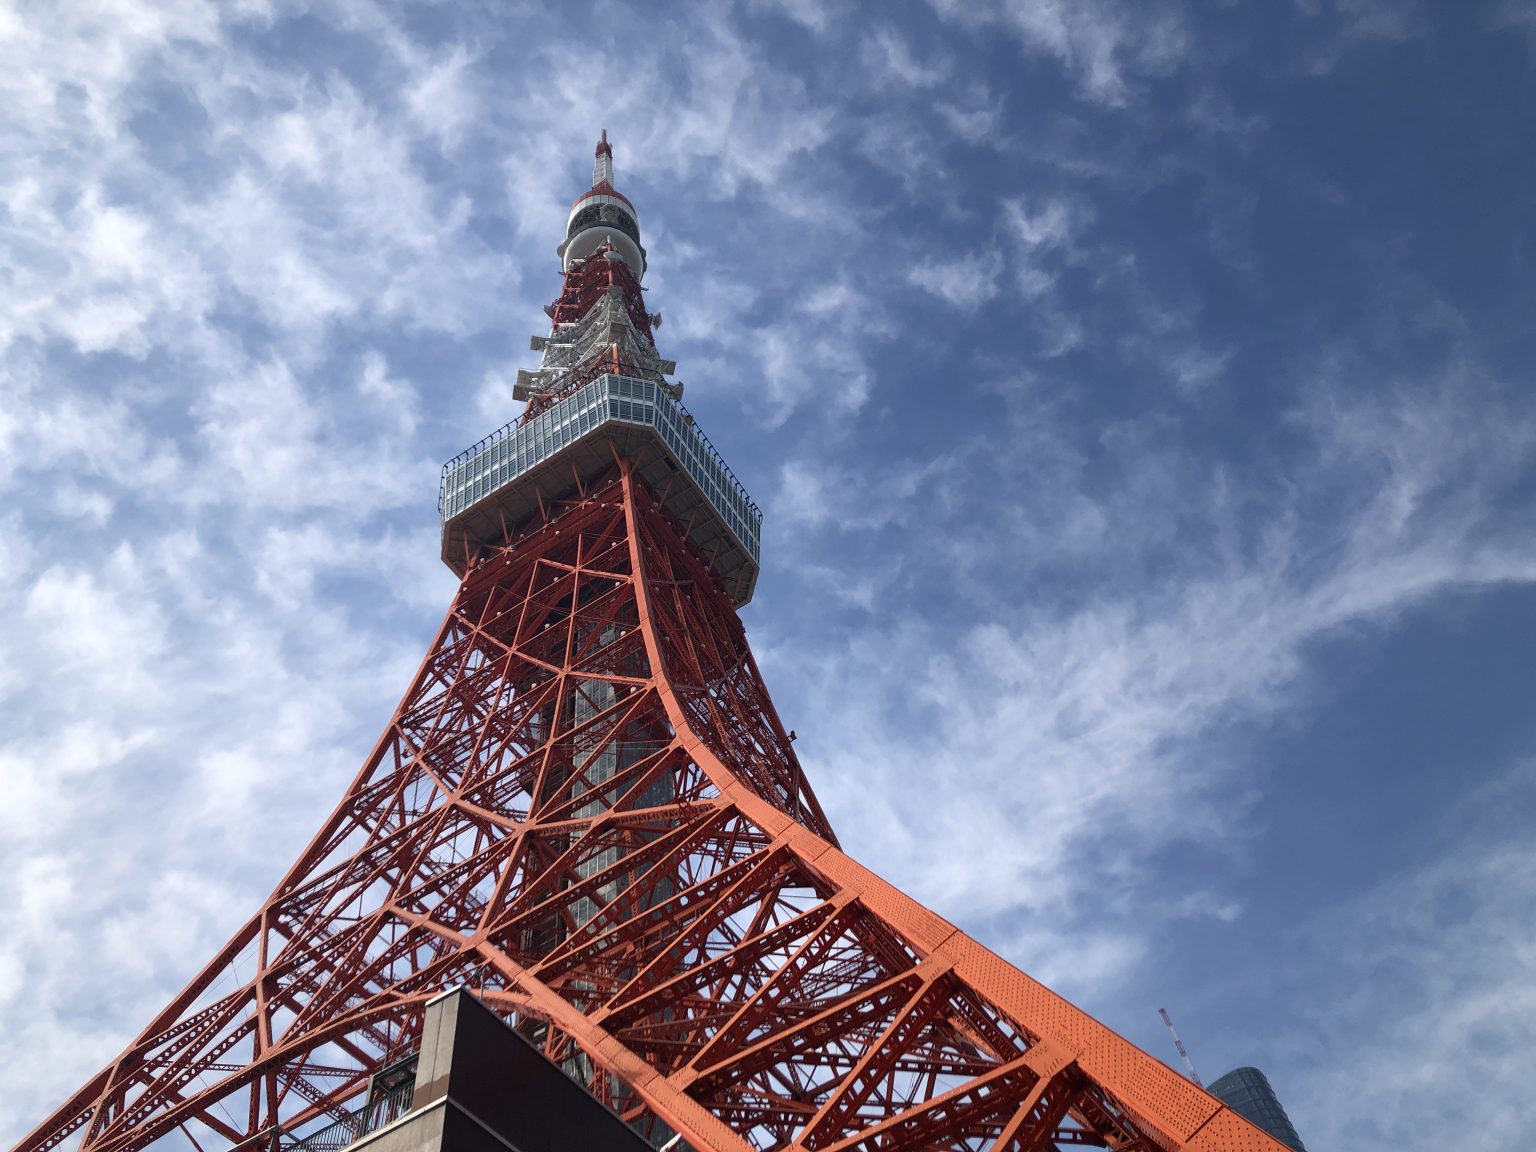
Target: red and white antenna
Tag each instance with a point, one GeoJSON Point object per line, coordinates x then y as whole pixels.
{"type": "Point", "coordinates": [1179, 1044]}
{"type": "Point", "coordinates": [602, 164]}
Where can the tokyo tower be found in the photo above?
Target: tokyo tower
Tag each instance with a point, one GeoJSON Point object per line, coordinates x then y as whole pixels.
{"type": "Point", "coordinates": [586, 810]}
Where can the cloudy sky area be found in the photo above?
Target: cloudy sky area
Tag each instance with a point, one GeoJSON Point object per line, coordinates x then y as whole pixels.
{"type": "Point", "coordinates": [1138, 395]}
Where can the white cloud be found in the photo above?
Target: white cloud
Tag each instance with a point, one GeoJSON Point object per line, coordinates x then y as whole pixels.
{"type": "Point", "coordinates": [180, 492]}
{"type": "Point", "coordinates": [100, 275]}
{"type": "Point", "coordinates": [903, 148]}
{"type": "Point", "coordinates": [1442, 1004]}
{"type": "Point", "coordinates": [1334, 29]}
{"type": "Point", "coordinates": [442, 99]}
{"type": "Point", "coordinates": [966, 282]}
{"type": "Point", "coordinates": [1105, 46]}
{"type": "Point", "coordinates": [1516, 14]}
{"type": "Point", "coordinates": [807, 13]}
{"type": "Point", "coordinates": [1390, 20]}
{"type": "Point", "coordinates": [890, 57]}
{"type": "Point", "coordinates": [1045, 236]}
{"type": "Point", "coordinates": [1052, 224]}
{"type": "Point", "coordinates": [1214, 112]}
{"type": "Point", "coordinates": [1027, 729]}
{"type": "Point", "coordinates": [977, 121]}
{"type": "Point", "coordinates": [814, 493]}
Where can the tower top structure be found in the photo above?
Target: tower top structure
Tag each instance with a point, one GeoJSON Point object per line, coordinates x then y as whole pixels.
{"type": "Point", "coordinates": [603, 215]}
{"type": "Point", "coordinates": [601, 390]}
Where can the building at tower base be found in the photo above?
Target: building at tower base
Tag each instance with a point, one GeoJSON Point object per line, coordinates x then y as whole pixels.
{"type": "Point", "coordinates": [476, 1085]}
{"type": "Point", "coordinates": [1248, 1093]}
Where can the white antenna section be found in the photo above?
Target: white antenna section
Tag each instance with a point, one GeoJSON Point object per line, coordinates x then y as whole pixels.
{"type": "Point", "coordinates": [1179, 1044]}
{"type": "Point", "coordinates": [602, 166]}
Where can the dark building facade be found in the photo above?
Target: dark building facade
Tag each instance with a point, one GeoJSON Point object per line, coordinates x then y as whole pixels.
{"type": "Point", "coordinates": [1247, 1092]}
{"type": "Point", "coordinates": [479, 1086]}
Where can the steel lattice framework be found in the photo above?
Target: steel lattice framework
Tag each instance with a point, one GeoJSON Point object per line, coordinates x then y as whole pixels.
{"type": "Point", "coordinates": [586, 807]}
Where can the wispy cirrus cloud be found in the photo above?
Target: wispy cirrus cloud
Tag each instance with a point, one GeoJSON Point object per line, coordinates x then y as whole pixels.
{"type": "Point", "coordinates": [1439, 959]}
{"type": "Point", "coordinates": [966, 282]}
{"type": "Point", "coordinates": [1517, 13]}
{"type": "Point", "coordinates": [1108, 47]}
{"type": "Point", "coordinates": [891, 59]}
{"type": "Point", "coordinates": [1043, 721]}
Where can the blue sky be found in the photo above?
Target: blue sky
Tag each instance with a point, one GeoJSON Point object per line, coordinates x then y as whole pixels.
{"type": "Point", "coordinates": [1138, 396]}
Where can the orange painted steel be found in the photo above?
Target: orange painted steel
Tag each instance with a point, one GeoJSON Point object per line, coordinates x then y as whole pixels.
{"type": "Point", "coordinates": [586, 807]}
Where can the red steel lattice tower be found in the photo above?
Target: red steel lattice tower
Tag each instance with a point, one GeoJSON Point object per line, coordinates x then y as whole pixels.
{"type": "Point", "coordinates": [586, 808]}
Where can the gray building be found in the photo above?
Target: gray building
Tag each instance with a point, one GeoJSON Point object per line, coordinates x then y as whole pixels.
{"type": "Point", "coordinates": [475, 1085]}
{"type": "Point", "coordinates": [1247, 1092]}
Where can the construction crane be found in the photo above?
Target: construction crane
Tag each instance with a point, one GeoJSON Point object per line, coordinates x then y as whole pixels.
{"type": "Point", "coordinates": [1179, 1044]}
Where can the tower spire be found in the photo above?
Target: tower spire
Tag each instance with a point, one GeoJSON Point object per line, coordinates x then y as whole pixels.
{"type": "Point", "coordinates": [603, 215]}
{"type": "Point", "coordinates": [602, 166]}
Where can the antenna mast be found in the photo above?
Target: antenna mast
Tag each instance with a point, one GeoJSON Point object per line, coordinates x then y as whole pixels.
{"type": "Point", "coordinates": [1179, 1044]}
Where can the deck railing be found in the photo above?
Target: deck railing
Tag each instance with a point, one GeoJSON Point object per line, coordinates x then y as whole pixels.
{"type": "Point", "coordinates": [350, 1129]}
{"type": "Point", "coordinates": [511, 451]}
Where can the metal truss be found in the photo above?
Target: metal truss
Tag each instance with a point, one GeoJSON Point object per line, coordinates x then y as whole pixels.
{"type": "Point", "coordinates": [586, 807]}
{"type": "Point", "coordinates": [599, 324]}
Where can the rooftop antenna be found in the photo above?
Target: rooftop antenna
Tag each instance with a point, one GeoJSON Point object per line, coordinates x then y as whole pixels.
{"type": "Point", "coordinates": [1179, 1044]}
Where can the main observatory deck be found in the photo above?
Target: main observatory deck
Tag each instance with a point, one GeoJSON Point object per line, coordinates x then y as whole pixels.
{"type": "Point", "coordinates": [500, 482]}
